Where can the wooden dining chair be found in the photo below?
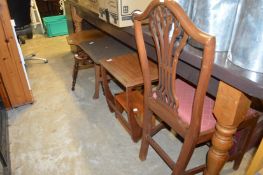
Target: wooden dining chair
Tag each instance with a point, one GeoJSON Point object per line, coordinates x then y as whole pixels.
{"type": "Point", "coordinates": [185, 108]}
{"type": "Point", "coordinates": [81, 59]}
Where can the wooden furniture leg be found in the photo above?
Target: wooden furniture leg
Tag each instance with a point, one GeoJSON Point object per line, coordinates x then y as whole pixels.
{"type": "Point", "coordinates": [75, 74]}
{"type": "Point", "coordinates": [77, 20]}
{"type": "Point", "coordinates": [108, 95]}
{"type": "Point", "coordinates": [136, 131]}
{"type": "Point", "coordinates": [230, 109]}
{"type": "Point", "coordinates": [120, 108]}
{"type": "Point", "coordinates": [98, 80]}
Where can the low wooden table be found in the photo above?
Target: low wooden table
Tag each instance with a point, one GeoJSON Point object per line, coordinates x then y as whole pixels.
{"type": "Point", "coordinates": [104, 48]}
{"type": "Point", "coordinates": [127, 71]}
{"type": "Point", "coordinates": [101, 48]}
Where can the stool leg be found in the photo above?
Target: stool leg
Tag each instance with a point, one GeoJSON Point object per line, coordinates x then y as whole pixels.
{"type": "Point", "coordinates": [118, 108]}
{"type": "Point", "coordinates": [75, 74]}
{"type": "Point", "coordinates": [97, 81]}
{"type": "Point", "coordinates": [107, 92]}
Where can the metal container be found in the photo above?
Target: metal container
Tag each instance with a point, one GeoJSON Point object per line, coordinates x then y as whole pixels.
{"type": "Point", "coordinates": [216, 17]}
{"type": "Point", "coordinates": [186, 5]}
{"type": "Point", "coordinates": [247, 48]}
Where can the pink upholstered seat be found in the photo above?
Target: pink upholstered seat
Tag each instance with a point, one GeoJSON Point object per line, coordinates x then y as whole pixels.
{"type": "Point", "coordinates": [185, 94]}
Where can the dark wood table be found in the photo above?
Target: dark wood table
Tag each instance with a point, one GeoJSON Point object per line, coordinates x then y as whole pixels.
{"type": "Point", "coordinates": [104, 48]}
{"type": "Point", "coordinates": [234, 83]}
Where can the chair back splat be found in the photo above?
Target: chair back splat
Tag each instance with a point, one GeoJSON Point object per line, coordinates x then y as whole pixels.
{"type": "Point", "coordinates": [170, 29]}
{"type": "Point", "coordinates": [163, 18]}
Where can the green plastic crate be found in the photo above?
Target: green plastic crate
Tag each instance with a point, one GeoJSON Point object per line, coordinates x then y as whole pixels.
{"type": "Point", "coordinates": [56, 25]}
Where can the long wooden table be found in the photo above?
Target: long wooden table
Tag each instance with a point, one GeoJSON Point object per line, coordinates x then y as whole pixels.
{"type": "Point", "coordinates": [234, 82]}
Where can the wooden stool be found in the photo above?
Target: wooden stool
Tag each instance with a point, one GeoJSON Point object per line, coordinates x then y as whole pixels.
{"type": "Point", "coordinates": [126, 70]}
{"type": "Point", "coordinates": [101, 48]}
{"type": "Point", "coordinates": [81, 59]}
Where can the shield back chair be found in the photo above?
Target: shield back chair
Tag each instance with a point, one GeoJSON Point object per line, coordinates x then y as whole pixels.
{"type": "Point", "coordinates": [82, 59]}
{"type": "Point", "coordinates": [186, 109]}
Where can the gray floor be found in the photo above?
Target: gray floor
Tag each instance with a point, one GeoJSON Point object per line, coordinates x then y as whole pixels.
{"type": "Point", "coordinates": [69, 133]}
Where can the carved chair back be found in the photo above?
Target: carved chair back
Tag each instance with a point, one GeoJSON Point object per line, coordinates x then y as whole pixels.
{"type": "Point", "coordinates": [170, 29]}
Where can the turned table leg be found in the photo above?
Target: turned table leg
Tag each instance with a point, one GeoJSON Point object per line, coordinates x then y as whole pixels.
{"type": "Point", "coordinates": [230, 109]}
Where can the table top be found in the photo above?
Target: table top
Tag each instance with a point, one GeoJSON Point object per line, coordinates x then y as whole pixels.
{"type": "Point", "coordinates": [87, 35]}
{"type": "Point", "coordinates": [127, 70]}
{"type": "Point", "coordinates": [246, 81]}
{"type": "Point", "coordinates": [104, 47]}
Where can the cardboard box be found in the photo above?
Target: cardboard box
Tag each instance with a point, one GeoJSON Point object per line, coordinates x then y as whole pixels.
{"type": "Point", "coordinates": [103, 11]}
{"type": "Point", "coordinates": [92, 5]}
{"type": "Point", "coordinates": [120, 11]}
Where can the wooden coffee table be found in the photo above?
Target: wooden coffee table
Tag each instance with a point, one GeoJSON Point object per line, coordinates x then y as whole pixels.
{"type": "Point", "coordinates": [127, 71]}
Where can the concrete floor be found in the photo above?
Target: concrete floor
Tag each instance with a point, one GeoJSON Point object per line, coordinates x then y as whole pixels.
{"type": "Point", "coordinates": [69, 133]}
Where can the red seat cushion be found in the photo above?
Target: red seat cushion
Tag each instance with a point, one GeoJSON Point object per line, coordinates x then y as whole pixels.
{"type": "Point", "coordinates": [185, 94]}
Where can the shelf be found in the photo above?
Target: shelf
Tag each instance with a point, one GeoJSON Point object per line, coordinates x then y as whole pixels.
{"type": "Point", "coordinates": [136, 102]}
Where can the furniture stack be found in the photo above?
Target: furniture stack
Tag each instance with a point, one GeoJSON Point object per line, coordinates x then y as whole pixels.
{"type": "Point", "coordinates": [184, 107]}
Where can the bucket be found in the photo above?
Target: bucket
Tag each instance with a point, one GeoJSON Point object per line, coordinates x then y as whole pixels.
{"type": "Point", "coordinates": [186, 5]}
{"type": "Point", "coordinates": [247, 48]}
{"type": "Point", "coordinates": [216, 17]}
{"type": "Point", "coordinates": [56, 25]}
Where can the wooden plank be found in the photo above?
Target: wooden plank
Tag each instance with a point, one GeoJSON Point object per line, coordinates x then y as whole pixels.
{"type": "Point", "coordinates": [3, 94]}
{"type": "Point", "coordinates": [257, 162]}
{"type": "Point", "coordinates": [10, 64]}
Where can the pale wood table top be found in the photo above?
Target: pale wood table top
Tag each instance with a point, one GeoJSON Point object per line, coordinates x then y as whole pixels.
{"type": "Point", "coordinates": [85, 35]}
{"type": "Point", "coordinates": [127, 70]}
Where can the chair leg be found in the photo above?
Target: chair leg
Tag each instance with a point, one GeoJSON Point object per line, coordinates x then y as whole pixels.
{"type": "Point", "coordinates": [75, 74]}
{"type": "Point", "coordinates": [97, 81]}
{"type": "Point", "coordinates": [147, 127]}
{"type": "Point", "coordinates": [252, 125]}
{"type": "Point", "coordinates": [119, 108]}
{"type": "Point", "coordinates": [185, 154]}
{"type": "Point", "coordinates": [107, 92]}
